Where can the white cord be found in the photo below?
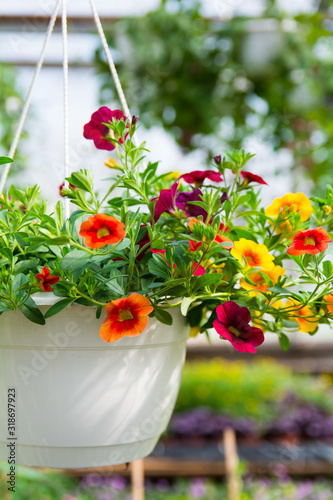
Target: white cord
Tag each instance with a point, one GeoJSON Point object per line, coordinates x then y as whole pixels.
{"type": "Point", "coordinates": [112, 66]}
{"type": "Point", "coordinates": [66, 107]}
{"type": "Point", "coordinates": [28, 99]}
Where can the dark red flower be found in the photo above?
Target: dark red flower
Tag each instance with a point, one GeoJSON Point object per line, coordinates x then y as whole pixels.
{"type": "Point", "coordinates": [45, 280]}
{"type": "Point", "coordinates": [100, 133]}
{"type": "Point", "coordinates": [312, 242]}
{"type": "Point", "coordinates": [248, 177]}
{"type": "Point", "coordinates": [232, 324]}
{"type": "Point", "coordinates": [197, 177]}
{"type": "Point", "coordinates": [182, 202]}
{"type": "Point", "coordinates": [166, 202]}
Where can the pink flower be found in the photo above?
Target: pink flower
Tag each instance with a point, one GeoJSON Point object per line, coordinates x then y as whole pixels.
{"type": "Point", "coordinates": [248, 177]}
{"type": "Point", "coordinates": [97, 131]}
{"type": "Point", "coordinates": [197, 177]}
{"type": "Point", "coordinates": [199, 271]}
{"type": "Point", "coordinates": [232, 324]}
{"type": "Point", "coordinates": [166, 202]}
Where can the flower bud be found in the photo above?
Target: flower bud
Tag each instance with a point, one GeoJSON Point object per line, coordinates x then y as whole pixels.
{"type": "Point", "coordinates": [135, 120]}
{"type": "Point", "coordinates": [217, 159]}
{"type": "Point", "coordinates": [224, 197]}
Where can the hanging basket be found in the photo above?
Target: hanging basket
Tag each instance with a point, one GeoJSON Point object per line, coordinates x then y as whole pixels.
{"type": "Point", "coordinates": [82, 403]}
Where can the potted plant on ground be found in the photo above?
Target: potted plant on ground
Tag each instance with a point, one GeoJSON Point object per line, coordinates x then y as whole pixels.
{"type": "Point", "coordinates": [112, 291]}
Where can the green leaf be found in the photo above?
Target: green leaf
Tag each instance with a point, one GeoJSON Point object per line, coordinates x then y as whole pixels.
{"type": "Point", "coordinates": [19, 281]}
{"type": "Point", "coordinates": [59, 215]}
{"type": "Point", "coordinates": [186, 302]}
{"type": "Point", "coordinates": [158, 267]}
{"type": "Point", "coordinates": [81, 180]}
{"type": "Point", "coordinates": [7, 252]}
{"type": "Point", "coordinates": [284, 341]}
{"type": "Point", "coordinates": [207, 280]}
{"type": "Point", "coordinates": [4, 160]}
{"type": "Point", "coordinates": [327, 268]}
{"type": "Point", "coordinates": [74, 260]}
{"type": "Point", "coordinates": [163, 316]}
{"type": "Point", "coordinates": [25, 265]}
{"type": "Point", "coordinates": [31, 312]}
{"type": "Point", "coordinates": [56, 308]}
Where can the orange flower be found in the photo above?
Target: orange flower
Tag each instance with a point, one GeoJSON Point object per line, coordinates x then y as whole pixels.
{"type": "Point", "coordinates": [289, 203]}
{"type": "Point", "coordinates": [127, 316]}
{"type": "Point", "coordinates": [223, 239]}
{"type": "Point", "coordinates": [260, 283]}
{"type": "Point", "coordinates": [312, 242]}
{"type": "Point", "coordinates": [306, 320]}
{"type": "Point", "coordinates": [45, 280]}
{"type": "Point", "coordinates": [100, 230]}
{"type": "Point", "coordinates": [111, 163]}
{"type": "Point", "coordinates": [329, 300]}
{"type": "Point", "coordinates": [255, 254]}
{"type": "Point", "coordinates": [194, 245]}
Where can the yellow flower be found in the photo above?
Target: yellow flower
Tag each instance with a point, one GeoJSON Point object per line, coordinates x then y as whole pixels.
{"type": "Point", "coordinates": [329, 298]}
{"type": "Point", "coordinates": [255, 254]}
{"type": "Point", "coordinates": [111, 163]}
{"type": "Point", "coordinates": [194, 331]}
{"type": "Point", "coordinates": [327, 209]}
{"type": "Point", "coordinates": [296, 202]}
{"type": "Point", "coordinates": [290, 203]}
{"type": "Point", "coordinates": [308, 324]}
{"type": "Point", "coordinates": [173, 175]}
{"type": "Point", "coordinates": [260, 283]}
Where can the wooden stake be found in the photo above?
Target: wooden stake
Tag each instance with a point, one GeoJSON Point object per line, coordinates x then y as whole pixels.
{"type": "Point", "coordinates": [231, 463]}
{"type": "Point", "coordinates": [138, 478]}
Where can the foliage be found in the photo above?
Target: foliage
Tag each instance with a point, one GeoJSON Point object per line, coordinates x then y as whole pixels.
{"type": "Point", "coordinates": [201, 248]}
{"type": "Point", "coordinates": [249, 390]}
{"type": "Point", "coordinates": [32, 484]}
{"type": "Point", "coordinates": [11, 103]}
{"type": "Point", "coordinates": [209, 70]}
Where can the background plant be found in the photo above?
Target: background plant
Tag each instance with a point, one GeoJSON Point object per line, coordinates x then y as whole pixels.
{"type": "Point", "coordinates": [203, 86]}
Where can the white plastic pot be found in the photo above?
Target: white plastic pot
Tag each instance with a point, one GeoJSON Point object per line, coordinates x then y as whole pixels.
{"type": "Point", "coordinates": [82, 402]}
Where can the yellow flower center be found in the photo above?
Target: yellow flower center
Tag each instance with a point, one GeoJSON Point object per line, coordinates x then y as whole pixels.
{"type": "Point", "coordinates": [309, 241]}
{"type": "Point", "coordinates": [103, 232]}
{"type": "Point", "coordinates": [234, 330]}
{"type": "Point", "coordinates": [125, 314]}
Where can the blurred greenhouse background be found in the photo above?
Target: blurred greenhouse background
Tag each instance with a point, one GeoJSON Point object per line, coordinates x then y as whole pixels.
{"type": "Point", "coordinates": [203, 77]}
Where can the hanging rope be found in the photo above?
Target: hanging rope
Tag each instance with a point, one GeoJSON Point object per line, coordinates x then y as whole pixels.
{"type": "Point", "coordinates": [66, 107]}
{"type": "Point", "coordinates": [112, 66]}
{"type": "Point", "coordinates": [26, 106]}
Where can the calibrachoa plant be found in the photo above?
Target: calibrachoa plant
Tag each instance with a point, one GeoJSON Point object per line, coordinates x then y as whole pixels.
{"type": "Point", "coordinates": [201, 242]}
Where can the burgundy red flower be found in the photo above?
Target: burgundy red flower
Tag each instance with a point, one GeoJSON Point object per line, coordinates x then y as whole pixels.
{"type": "Point", "coordinates": [248, 177]}
{"type": "Point", "coordinates": [311, 242]}
{"type": "Point", "coordinates": [183, 202]}
{"type": "Point", "coordinates": [100, 133]}
{"type": "Point", "coordinates": [232, 324]}
{"type": "Point", "coordinates": [197, 177]}
{"type": "Point", "coordinates": [166, 202]}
